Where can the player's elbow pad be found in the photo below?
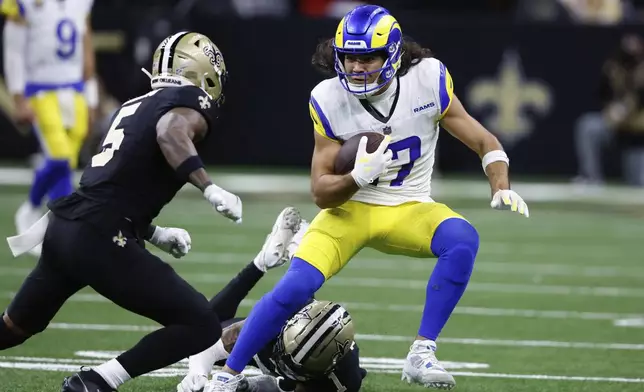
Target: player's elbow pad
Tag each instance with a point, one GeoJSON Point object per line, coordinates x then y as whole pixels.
{"type": "Point", "coordinates": [14, 41]}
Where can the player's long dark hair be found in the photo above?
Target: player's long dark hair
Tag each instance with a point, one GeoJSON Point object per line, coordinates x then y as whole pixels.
{"type": "Point", "coordinates": [324, 59]}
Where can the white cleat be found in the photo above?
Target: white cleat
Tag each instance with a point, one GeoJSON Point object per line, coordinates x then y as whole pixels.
{"type": "Point", "coordinates": [274, 250]}
{"type": "Point", "coordinates": [422, 367]}
{"type": "Point", "coordinates": [193, 382]}
{"type": "Point", "coordinates": [223, 382]}
{"type": "Point", "coordinates": [25, 217]}
{"type": "Point", "coordinates": [297, 239]}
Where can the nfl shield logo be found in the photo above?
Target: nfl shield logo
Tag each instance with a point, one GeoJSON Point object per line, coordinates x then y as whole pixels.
{"type": "Point", "coordinates": [386, 130]}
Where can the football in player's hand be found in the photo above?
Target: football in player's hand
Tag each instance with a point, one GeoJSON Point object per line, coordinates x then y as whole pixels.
{"type": "Point", "coordinates": [346, 158]}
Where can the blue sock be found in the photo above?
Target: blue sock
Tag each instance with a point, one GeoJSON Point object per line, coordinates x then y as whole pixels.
{"type": "Point", "coordinates": [270, 314]}
{"type": "Point", "coordinates": [62, 185]}
{"type": "Point", "coordinates": [45, 178]}
{"type": "Point", "coordinates": [38, 187]}
{"type": "Point", "coordinates": [456, 243]}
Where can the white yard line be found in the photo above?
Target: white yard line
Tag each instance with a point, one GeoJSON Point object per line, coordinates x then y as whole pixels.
{"type": "Point", "coordinates": [494, 312]}
{"type": "Point", "coordinates": [510, 343]}
{"type": "Point", "coordinates": [636, 322]}
{"type": "Point", "coordinates": [411, 284]}
{"type": "Point", "coordinates": [505, 288]}
{"type": "Point", "coordinates": [174, 372]}
{"type": "Point", "coordinates": [394, 263]}
{"type": "Point", "coordinates": [550, 377]}
{"type": "Point", "coordinates": [373, 365]}
{"type": "Point", "coordinates": [463, 310]}
{"type": "Point", "coordinates": [390, 338]}
{"type": "Point", "coordinates": [364, 266]}
{"type": "Point", "coordinates": [262, 183]}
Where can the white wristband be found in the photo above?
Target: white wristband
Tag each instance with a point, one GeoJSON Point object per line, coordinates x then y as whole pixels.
{"type": "Point", "coordinates": [494, 156]}
{"type": "Point", "coordinates": [91, 93]}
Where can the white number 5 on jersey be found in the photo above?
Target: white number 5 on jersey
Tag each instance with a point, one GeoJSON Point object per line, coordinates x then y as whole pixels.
{"type": "Point", "coordinates": [115, 135]}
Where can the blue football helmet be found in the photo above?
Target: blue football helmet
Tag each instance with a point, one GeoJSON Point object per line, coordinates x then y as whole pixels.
{"type": "Point", "coordinates": [364, 30]}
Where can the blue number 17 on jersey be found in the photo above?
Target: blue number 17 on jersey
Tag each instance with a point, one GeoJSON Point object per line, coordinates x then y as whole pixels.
{"type": "Point", "coordinates": [411, 144]}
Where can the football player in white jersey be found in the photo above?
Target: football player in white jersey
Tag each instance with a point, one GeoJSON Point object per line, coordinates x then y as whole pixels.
{"type": "Point", "coordinates": [393, 86]}
{"type": "Point", "coordinates": [49, 71]}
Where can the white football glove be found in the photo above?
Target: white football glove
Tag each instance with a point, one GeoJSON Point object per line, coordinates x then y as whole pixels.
{"type": "Point", "coordinates": [192, 382]}
{"type": "Point", "coordinates": [224, 202]}
{"type": "Point", "coordinates": [172, 240]}
{"type": "Point", "coordinates": [506, 199]}
{"type": "Point", "coordinates": [368, 166]}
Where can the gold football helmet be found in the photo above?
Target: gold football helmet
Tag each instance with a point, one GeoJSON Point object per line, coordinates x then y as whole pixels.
{"type": "Point", "coordinates": [314, 340]}
{"type": "Point", "coordinates": [189, 58]}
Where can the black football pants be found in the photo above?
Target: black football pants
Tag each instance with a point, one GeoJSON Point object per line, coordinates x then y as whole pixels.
{"type": "Point", "coordinates": [113, 262]}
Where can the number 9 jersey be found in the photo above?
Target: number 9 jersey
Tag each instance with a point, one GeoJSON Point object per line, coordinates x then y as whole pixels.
{"type": "Point", "coordinates": [409, 111]}
{"type": "Point", "coordinates": [54, 52]}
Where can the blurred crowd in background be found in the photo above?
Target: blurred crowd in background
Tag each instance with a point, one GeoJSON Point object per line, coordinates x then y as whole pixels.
{"type": "Point", "coordinates": [571, 11]}
{"type": "Point", "coordinates": [602, 134]}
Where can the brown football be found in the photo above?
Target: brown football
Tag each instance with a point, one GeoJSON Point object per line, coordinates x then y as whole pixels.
{"type": "Point", "coordinates": [346, 158]}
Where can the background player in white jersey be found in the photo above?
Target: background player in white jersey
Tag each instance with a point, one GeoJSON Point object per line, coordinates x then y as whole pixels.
{"type": "Point", "coordinates": [49, 71]}
{"type": "Point", "coordinates": [394, 87]}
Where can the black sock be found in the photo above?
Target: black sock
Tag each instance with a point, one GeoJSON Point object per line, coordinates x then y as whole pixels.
{"type": "Point", "coordinates": [226, 302]}
{"type": "Point", "coordinates": [169, 345]}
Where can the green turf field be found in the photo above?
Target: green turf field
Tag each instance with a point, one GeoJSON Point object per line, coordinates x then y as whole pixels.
{"type": "Point", "coordinates": [541, 312]}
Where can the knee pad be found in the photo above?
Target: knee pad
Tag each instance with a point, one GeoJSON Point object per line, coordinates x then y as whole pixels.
{"type": "Point", "coordinates": [298, 285]}
{"type": "Point", "coordinates": [455, 232]}
{"type": "Point", "coordinates": [8, 337]}
{"type": "Point", "coordinates": [456, 243]}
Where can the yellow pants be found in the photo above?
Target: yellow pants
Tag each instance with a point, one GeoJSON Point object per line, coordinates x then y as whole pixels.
{"type": "Point", "coordinates": [62, 121]}
{"type": "Point", "coordinates": [338, 234]}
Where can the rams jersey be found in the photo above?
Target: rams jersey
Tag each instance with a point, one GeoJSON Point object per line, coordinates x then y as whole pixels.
{"type": "Point", "coordinates": [130, 177]}
{"type": "Point", "coordinates": [55, 30]}
{"type": "Point", "coordinates": [419, 99]}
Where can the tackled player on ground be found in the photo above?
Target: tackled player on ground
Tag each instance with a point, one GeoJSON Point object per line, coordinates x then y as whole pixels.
{"type": "Point", "coordinates": [314, 352]}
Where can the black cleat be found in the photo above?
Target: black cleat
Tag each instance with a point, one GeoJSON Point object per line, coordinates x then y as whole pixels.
{"type": "Point", "coordinates": [85, 381]}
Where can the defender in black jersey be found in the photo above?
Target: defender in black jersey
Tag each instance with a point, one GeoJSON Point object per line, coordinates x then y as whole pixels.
{"type": "Point", "coordinates": [95, 236]}
{"type": "Point", "coordinates": [329, 367]}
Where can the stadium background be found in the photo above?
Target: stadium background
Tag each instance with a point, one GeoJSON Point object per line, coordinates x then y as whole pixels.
{"type": "Point", "coordinates": [555, 303]}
